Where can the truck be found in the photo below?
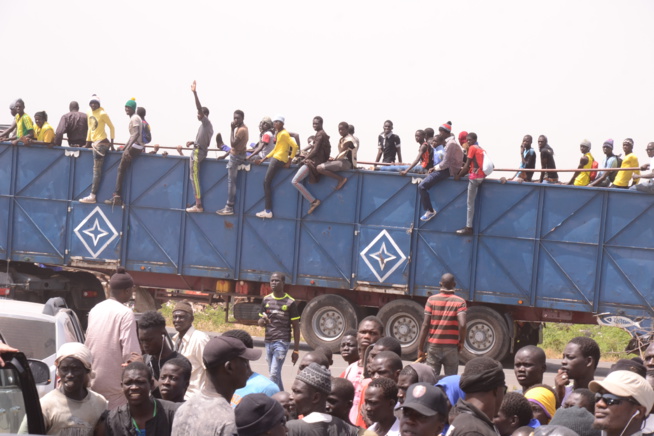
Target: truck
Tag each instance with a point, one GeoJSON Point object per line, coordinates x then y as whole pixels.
{"type": "Point", "coordinates": [539, 253]}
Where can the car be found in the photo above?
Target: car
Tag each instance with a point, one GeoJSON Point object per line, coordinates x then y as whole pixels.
{"type": "Point", "coordinates": [38, 330]}
{"type": "Point", "coordinates": [19, 398]}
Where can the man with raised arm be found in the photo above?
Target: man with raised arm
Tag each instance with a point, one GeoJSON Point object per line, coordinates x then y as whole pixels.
{"type": "Point", "coordinates": [200, 146]}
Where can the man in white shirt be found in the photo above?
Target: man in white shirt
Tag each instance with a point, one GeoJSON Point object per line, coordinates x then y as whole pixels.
{"type": "Point", "coordinates": [190, 343]}
{"type": "Point", "coordinates": [648, 185]}
{"type": "Point", "coordinates": [380, 400]}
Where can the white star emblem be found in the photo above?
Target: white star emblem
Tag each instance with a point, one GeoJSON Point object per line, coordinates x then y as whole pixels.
{"type": "Point", "coordinates": [382, 256]}
{"type": "Point", "coordinates": [96, 232]}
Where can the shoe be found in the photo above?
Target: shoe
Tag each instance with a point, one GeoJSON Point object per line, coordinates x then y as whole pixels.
{"type": "Point", "coordinates": [314, 205]}
{"type": "Point", "coordinates": [194, 209]}
{"type": "Point", "coordinates": [428, 215]}
{"type": "Point", "coordinates": [89, 199]}
{"type": "Point", "coordinates": [114, 201]}
{"type": "Point", "coordinates": [264, 214]}
{"type": "Point", "coordinates": [227, 210]}
{"type": "Point", "coordinates": [466, 231]}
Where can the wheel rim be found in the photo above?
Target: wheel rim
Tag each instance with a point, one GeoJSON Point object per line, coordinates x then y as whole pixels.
{"type": "Point", "coordinates": [404, 328]}
{"type": "Point", "coordinates": [328, 323]}
{"type": "Point", "coordinates": [480, 337]}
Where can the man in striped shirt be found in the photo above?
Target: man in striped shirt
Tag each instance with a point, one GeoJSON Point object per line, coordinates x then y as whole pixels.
{"type": "Point", "coordinates": [445, 327]}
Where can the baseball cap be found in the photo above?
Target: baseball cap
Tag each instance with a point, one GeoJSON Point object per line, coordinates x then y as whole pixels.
{"type": "Point", "coordinates": [426, 399]}
{"type": "Point", "coordinates": [223, 348]}
{"type": "Point", "coordinates": [279, 118]}
{"type": "Point", "coordinates": [626, 384]}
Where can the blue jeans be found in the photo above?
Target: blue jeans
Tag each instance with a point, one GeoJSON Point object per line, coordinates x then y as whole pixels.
{"type": "Point", "coordinates": [426, 184]}
{"type": "Point", "coordinates": [275, 356]}
{"type": "Point", "coordinates": [232, 172]}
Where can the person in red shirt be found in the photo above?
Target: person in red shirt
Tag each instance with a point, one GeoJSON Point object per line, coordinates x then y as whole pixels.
{"type": "Point", "coordinates": [473, 165]}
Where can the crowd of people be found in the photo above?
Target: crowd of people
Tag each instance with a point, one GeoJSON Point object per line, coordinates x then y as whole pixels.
{"type": "Point", "coordinates": [440, 156]}
{"type": "Point", "coordinates": [128, 379]}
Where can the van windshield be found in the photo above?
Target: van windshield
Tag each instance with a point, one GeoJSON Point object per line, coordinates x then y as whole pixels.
{"type": "Point", "coordinates": [33, 337]}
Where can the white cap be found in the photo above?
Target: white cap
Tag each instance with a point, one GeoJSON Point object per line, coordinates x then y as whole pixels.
{"type": "Point", "coordinates": [279, 118]}
{"type": "Point", "coordinates": [626, 384]}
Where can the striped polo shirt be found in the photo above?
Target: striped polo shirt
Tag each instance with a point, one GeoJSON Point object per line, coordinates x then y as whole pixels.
{"type": "Point", "coordinates": [443, 309]}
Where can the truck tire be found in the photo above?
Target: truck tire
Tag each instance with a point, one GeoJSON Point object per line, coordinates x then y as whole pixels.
{"type": "Point", "coordinates": [402, 320]}
{"type": "Point", "coordinates": [487, 335]}
{"type": "Point", "coordinates": [325, 319]}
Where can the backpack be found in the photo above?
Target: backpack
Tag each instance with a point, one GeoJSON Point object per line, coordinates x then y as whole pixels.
{"type": "Point", "coordinates": [147, 134]}
{"type": "Point", "coordinates": [593, 174]}
{"type": "Point", "coordinates": [488, 167]}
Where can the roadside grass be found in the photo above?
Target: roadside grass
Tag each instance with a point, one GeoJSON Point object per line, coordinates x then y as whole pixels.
{"type": "Point", "coordinates": [611, 340]}
{"type": "Point", "coordinates": [211, 318]}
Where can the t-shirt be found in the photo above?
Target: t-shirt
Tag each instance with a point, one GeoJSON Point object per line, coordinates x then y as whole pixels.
{"type": "Point", "coordinates": [320, 424]}
{"type": "Point", "coordinates": [624, 177]}
{"type": "Point", "coordinates": [354, 373]}
{"type": "Point", "coordinates": [205, 133]}
{"type": "Point", "coordinates": [45, 133]}
{"type": "Point", "coordinates": [97, 120]}
{"type": "Point", "coordinates": [280, 312]}
{"type": "Point", "coordinates": [135, 127]}
{"type": "Point", "coordinates": [67, 417]}
{"type": "Point", "coordinates": [155, 365]}
{"type": "Point", "coordinates": [394, 430]}
{"type": "Point", "coordinates": [388, 145]}
{"type": "Point", "coordinates": [583, 179]}
{"type": "Point", "coordinates": [439, 154]}
{"type": "Point", "coordinates": [548, 152]}
{"type": "Point", "coordinates": [476, 157]}
{"type": "Point", "coordinates": [268, 138]}
{"type": "Point", "coordinates": [205, 414]}
{"type": "Point", "coordinates": [256, 384]}
{"type": "Point", "coordinates": [284, 147]}
{"type": "Point", "coordinates": [427, 157]}
{"type": "Point", "coordinates": [118, 422]}
{"type": "Point", "coordinates": [24, 125]}
{"type": "Point", "coordinates": [240, 140]}
{"type": "Point", "coordinates": [111, 336]}
{"type": "Point", "coordinates": [609, 162]}
{"type": "Point", "coordinates": [443, 309]}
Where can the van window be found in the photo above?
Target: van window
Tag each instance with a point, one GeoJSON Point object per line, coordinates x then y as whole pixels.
{"type": "Point", "coordinates": [12, 403]}
{"type": "Point", "coordinates": [34, 338]}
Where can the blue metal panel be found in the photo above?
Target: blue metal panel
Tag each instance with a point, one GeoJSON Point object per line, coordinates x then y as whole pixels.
{"type": "Point", "coordinates": [4, 225]}
{"type": "Point", "coordinates": [37, 170]}
{"type": "Point", "coordinates": [6, 169]}
{"type": "Point", "coordinates": [94, 231]}
{"type": "Point", "coordinates": [325, 255]}
{"type": "Point", "coordinates": [39, 232]}
{"type": "Point", "coordinates": [156, 182]}
{"type": "Point", "coordinates": [84, 173]}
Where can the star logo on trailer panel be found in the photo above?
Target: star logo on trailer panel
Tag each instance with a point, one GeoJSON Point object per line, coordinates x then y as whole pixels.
{"type": "Point", "coordinates": [96, 232]}
{"type": "Point", "coordinates": [383, 256]}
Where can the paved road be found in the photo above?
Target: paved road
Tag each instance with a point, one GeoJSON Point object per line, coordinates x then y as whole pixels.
{"type": "Point", "coordinates": [289, 371]}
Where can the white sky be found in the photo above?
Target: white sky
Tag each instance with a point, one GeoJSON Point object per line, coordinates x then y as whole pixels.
{"type": "Point", "coordinates": [567, 69]}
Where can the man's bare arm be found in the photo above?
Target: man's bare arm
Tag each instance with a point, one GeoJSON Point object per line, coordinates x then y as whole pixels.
{"type": "Point", "coordinates": [197, 100]}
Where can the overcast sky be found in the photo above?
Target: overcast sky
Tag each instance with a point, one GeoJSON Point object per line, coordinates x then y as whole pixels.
{"type": "Point", "coordinates": [567, 69]}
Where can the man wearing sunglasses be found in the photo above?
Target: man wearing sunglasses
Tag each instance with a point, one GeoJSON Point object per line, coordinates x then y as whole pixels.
{"type": "Point", "coordinates": [622, 402]}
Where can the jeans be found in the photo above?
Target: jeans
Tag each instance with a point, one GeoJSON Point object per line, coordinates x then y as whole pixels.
{"type": "Point", "coordinates": [302, 174]}
{"type": "Point", "coordinates": [125, 162]}
{"type": "Point", "coordinates": [473, 187]}
{"type": "Point", "coordinates": [426, 184]}
{"type": "Point", "coordinates": [418, 169]}
{"type": "Point", "coordinates": [100, 150]}
{"type": "Point", "coordinates": [275, 356]}
{"type": "Point", "coordinates": [232, 172]}
{"type": "Point", "coordinates": [646, 186]}
{"type": "Point", "coordinates": [275, 165]}
{"type": "Point", "coordinates": [443, 355]}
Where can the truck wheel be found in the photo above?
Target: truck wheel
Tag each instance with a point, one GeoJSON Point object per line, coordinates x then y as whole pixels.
{"type": "Point", "coordinates": [402, 320]}
{"type": "Point", "coordinates": [325, 319]}
{"type": "Point", "coordinates": [487, 335]}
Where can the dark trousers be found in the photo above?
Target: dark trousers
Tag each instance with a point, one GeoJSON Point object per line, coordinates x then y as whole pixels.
{"type": "Point", "coordinates": [426, 184]}
{"type": "Point", "coordinates": [125, 162]}
{"type": "Point", "coordinates": [275, 165]}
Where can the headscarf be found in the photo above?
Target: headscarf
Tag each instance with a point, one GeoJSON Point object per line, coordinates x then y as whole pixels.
{"type": "Point", "coordinates": [544, 398]}
{"type": "Point", "coordinates": [77, 351]}
{"type": "Point", "coordinates": [463, 136]}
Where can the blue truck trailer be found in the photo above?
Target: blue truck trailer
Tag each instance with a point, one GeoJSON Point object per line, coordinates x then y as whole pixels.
{"type": "Point", "coordinates": [539, 253]}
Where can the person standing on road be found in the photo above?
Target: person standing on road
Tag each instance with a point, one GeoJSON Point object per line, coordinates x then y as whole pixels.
{"type": "Point", "coordinates": [237, 157]}
{"type": "Point", "coordinates": [529, 366]}
{"type": "Point", "coordinates": [174, 379]}
{"type": "Point", "coordinates": [96, 137]}
{"type": "Point", "coordinates": [190, 343]}
{"type": "Point", "coordinates": [580, 358]}
{"type": "Point", "coordinates": [112, 338]}
{"type": "Point", "coordinates": [74, 125]}
{"type": "Point", "coordinates": [445, 326]}
{"type": "Point", "coordinates": [279, 314]}
{"type": "Point", "coordinates": [200, 147]}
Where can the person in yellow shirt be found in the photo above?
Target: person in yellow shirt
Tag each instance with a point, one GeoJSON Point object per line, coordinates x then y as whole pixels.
{"type": "Point", "coordinates": [24, 125]}
{"type": "Point", "coordinates": [630, 161]}
{"type": "Point", "coordinates": [43, 131]}
{"type": "Point", "coordinates": [280, 156]}
{"type": "Point", "coordinates": [582, 178]}
{"type": "Point", "coordinates": [97, 138]}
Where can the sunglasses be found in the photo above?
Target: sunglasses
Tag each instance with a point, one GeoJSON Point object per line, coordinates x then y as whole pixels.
{"type": "Point", "coordinates": [610, 399]}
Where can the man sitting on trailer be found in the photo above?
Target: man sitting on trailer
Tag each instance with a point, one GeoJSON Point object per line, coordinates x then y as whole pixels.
{"type": "Point", "coordinates": [444, 326]}
{"type": "Point", "coordinates": [190, 343]}
{"type": "Point", "coordinates": [547, 161]}
{"type": "Point", "coordinates": [528, 160]}
{"type": "Point", "coordinates": [630, 160]}
{"type": "Point", "coordinates": [74, 125]}
{"type": "Point", "coordinates": [605, 178]}
{"type": "Point", "coordinates": [346, 159]}
{"type": "Point", "coordinates": [5, 134]}
{"type": "Point", "coordinates": [648, 185]}
{"type": "Point", "coordinates": [582, 178]}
